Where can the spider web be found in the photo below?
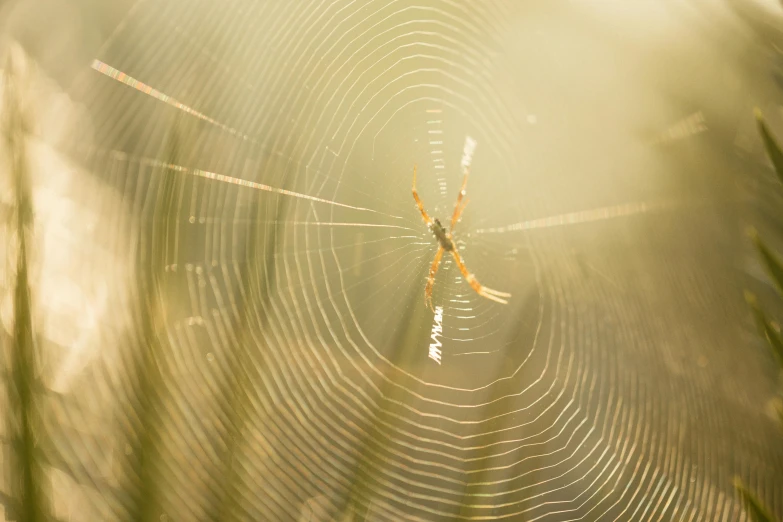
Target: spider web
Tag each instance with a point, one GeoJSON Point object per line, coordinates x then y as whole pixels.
{"type": "Point", "coordinates": [295, 261]}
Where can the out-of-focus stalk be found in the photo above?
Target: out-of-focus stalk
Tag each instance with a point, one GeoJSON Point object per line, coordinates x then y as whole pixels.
{"type": "Point", "coordinates": [258, 286]}
{"type": "Point", "coordinates": [26, 477]}
{"type": "Point", "coordinates": [146, 461]}
{"type": "Point", "coordinates": [772, 263]}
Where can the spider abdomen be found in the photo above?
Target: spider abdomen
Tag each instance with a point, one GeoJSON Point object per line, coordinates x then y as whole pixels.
{"type": "Point", "coordinates": [444, 238]}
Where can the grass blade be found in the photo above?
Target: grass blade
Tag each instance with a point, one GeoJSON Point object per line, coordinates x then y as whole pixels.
{"type": "Point", "coordinates": [753, 507]}
{"type": "Point", "coordinates": [773, 149]}
{"type": "Point", "coordinates": [771, 261]}
{"type": "Point", "coordinates": [29, 502]}
{"type": "Point", "coordinates": [145, 458]}
{"type": "Point", "coordinates": [766, 328]}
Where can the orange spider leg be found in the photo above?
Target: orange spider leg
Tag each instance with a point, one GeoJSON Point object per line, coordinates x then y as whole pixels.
{"type": "Point", "coordinates": [424, 215]}
{"type": "Point", "coordinates": [431, 278]}
{"type": "Point", "coordinates": [483, 291]}
{"type": "Point", "coordinates": [458, 214]}
{"type": "Point", "coordinates": [458, 208]}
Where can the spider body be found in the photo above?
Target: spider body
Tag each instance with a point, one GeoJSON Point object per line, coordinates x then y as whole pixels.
{"type": "Point", "coordinates": [443, 236]}
{"type": "Point", "coordinates": [446, 244]}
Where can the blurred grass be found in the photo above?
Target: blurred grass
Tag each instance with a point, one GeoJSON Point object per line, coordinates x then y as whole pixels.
{"type": "Point", "coordinates": [256, 287]}
{"type": "Point", "coordinates": [145, 455]}
{"type": "Point", "coordinates": [28, 500]}
{"type": "Point", "coordinates": [145, 478]}
{"type": "Point", "coordinates": [755, 510]}
{"type": "Point", "coordinates": [368, 462]}
{"type": "Point", "coordinates": [753, 506]}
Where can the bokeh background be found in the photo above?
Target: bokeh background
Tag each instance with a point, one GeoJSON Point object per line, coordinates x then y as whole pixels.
{"type": "Point", "coordinates": [228, 269]}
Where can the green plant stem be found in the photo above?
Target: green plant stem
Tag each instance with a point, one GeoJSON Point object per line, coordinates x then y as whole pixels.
{"type": "Point", "coordinates": [28, 491]}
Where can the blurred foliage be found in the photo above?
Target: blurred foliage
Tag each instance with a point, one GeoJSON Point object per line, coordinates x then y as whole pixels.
{"type": "Point", "coordinates": [27, 500]}
{"type": "Point", "coordinates": [145, 456]}
{"type": "Point", "coordinates": [754, 508]}
{"type": "Point", "coordinates": [769, 329]}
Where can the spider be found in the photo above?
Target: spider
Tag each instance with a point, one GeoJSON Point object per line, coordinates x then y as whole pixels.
{"type": "Point", "coordinates": [446, 244]}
